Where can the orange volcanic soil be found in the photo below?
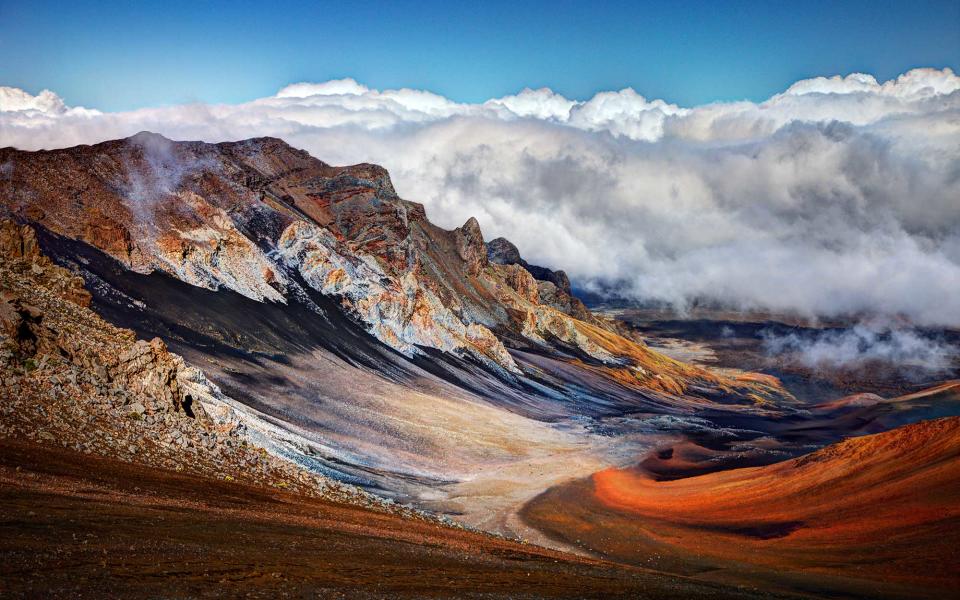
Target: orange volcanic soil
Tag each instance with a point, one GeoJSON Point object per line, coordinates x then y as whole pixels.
{"type": "Point", "coordinates": [882, 508]}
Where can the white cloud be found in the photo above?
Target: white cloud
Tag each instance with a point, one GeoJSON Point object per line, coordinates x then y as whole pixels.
{"type": "Point", "coordinates": [854, 82]}
{"type": "Point", "coordinates": [17, 100]}
{"type": "Point", "coordinates": [901, 349]}
{"type": "Point", "coordinates": [840, 195]}
{"type": "Point", "coordinates": [543, 103]}
{"type": "Point", "coordinates": [915, 84]}
{"type": "Point", "coordinates": [624, 113]}
{"type": "Point", "coordinates": [28, 111]}
{"type": "Point", "coordinates": [334, 87]}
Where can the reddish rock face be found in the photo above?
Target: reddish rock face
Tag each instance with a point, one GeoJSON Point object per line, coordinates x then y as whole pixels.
{"type": "Point", "coordinates": [18, 241]}
{"type": "Point", "coordinates": [523, 282]}
{"type": "Point", "coordinates": [503, 252]}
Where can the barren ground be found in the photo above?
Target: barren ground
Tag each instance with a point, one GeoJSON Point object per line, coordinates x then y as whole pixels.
{"type": "Point", "coordinates": [77, 526]}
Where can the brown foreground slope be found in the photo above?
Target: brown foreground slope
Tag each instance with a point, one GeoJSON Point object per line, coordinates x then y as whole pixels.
{"type": "Point", "coordinates": [876, 515]}
{"type": "Point", "coordinates": [75, 525]}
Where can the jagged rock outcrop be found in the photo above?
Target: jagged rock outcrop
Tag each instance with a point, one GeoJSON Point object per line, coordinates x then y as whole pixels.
{"type": "Point", "coordinates": [503, 252]}
{"type": "Point", "coordinates": [523, 282]}
{"type": "Point", "coordinates": [553, 287]}
{"type": "Point", "coordinates": [470, 246]}
{"type": "Point", "coordinates": [19, 243]}
{"type": "Point", "coordinates": [401, 313]}
{"type": "Point", "coordinates": [150, 370]}
{"type": "Point", "coordinates": [563, 301]}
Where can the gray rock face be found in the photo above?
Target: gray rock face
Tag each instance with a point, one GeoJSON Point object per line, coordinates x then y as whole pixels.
{"type": "Point", "coordinates": [502, 252]}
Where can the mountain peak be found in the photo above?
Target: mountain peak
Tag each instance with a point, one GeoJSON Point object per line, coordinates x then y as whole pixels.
{"type": "Point", "coordinates": [470, 246]}
{"type": "Point", "coordinates": [147, 136]}
{"type": "Point", "coordinates": [503, 252]}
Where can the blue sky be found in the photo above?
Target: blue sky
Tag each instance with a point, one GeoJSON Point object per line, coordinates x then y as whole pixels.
{"type": "Point", "coordinates": [124, 55]}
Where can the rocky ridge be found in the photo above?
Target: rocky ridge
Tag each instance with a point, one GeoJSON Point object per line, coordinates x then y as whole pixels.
{"type": "Point", "coordinates": [264, 219]}
{"type": "Point", "coordinates": [552, 288]}
{"type": "Point", "coordinates": [503, 252]}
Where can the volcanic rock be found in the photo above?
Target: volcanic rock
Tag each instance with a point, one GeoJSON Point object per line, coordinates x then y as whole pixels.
{"type": "Point", "coordinates": [503, 252]}
{"type": "Point", "coordinates": [470, 246]}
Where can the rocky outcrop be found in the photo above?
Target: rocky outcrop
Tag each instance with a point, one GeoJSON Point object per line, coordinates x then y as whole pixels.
{"type": "Point", "coordinates": [554, 296]}
{"type": "Point", "coordinates": [523, 282]}
{"type": "Point", "coordinates": [18, 243]}
{"type": "Point", "coordinates": [552, 287]}
{"type": "Point", "coordinates": [503, 252]}
{"type": "Point", "coordinates": [150, 371]}
{"type": "Point", "coordinates": [470, 246]}
{"type": "Point", "coordinates": [213, 254]}
{"type": "Point", "coordinates": [400, 312]}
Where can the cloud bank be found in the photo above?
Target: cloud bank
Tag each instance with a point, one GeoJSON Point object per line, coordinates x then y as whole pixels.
{"type": "Point", "coordinates": [839, 196]}
{"type": "Point", "coordinates": [901, 349]}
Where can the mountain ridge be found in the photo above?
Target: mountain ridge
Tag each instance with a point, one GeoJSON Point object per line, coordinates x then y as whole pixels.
{"type": "Point", "coordinates": [221, 215]}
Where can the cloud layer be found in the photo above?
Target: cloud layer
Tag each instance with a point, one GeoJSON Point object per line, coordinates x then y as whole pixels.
{"type": "Point", "coordinates": [839, 196]}
{"type": "Point", "coordinates": [903, 350]}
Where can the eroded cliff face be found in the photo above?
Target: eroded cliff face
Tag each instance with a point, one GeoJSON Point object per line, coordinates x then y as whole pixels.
{"type": "Point", "coordinates": [263, 219]}
{"type": "Point", "coordinates": [398, 310]}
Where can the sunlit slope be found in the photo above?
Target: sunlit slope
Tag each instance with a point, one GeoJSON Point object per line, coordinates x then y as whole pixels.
{"type": "Point", "coordinates": [882, 507]}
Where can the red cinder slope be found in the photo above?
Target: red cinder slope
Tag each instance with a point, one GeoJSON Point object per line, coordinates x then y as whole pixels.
{"type": "Point", "coordinates": [883, 508]}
